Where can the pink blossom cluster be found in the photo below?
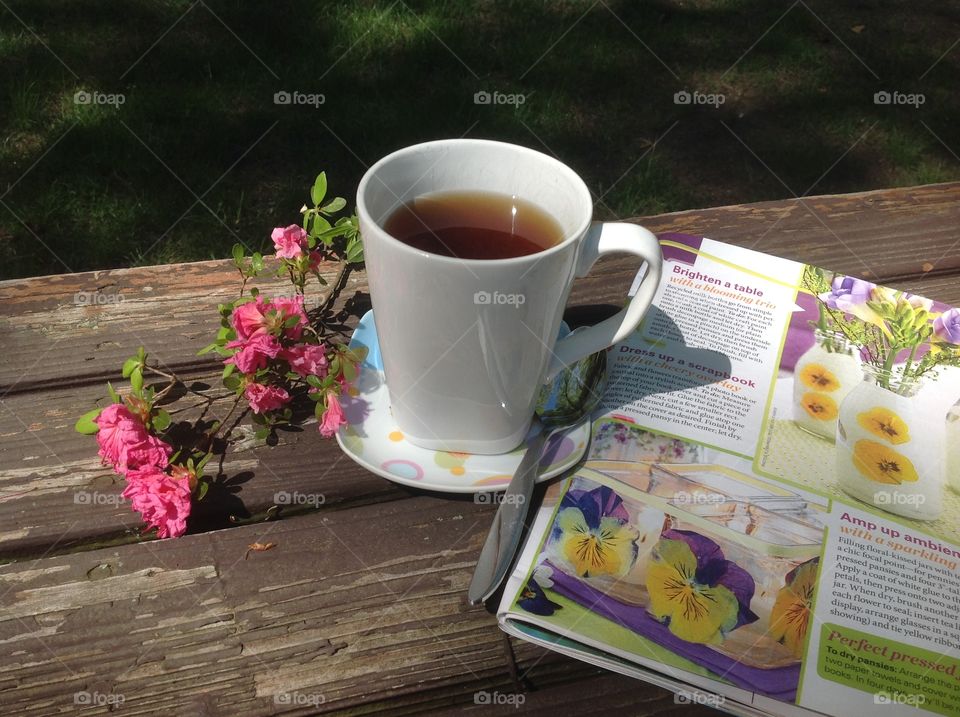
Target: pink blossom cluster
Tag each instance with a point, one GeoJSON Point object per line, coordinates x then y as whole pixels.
{"type": "Point", "coordinates": [270, 334]}
{"type": "Point", "coordinates": [143, 459]}
{"type": "Point", "coordinates": [292, 242]}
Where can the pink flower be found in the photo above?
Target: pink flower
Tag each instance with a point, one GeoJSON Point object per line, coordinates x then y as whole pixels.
{"type": "Point", "coordinates": [289, 242]}
{"type": "Point", "coordinates": [316, 258]}
{"type": "Point", "coordinates": [333, 417]}
{"type": "Point", "coordinates": [288, 308]}
{"type": "Point", "coordinates": [307, 359]}
{"type": "Point", "coordinates": [265, 398]}
{"type": "Point", "coordinates": [254, 352]}
{"type": "Point", "coordinates": [248, 319]}
{"type": "Point", "coordinates": [125, 442]}
{"type": "Point", "coordinates": [162, 501]}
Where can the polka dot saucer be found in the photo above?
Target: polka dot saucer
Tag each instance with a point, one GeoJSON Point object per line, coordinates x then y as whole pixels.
{"type": "Point", "coordinates": [373, 439]}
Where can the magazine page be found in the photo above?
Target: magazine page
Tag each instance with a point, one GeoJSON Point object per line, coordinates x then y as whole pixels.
{"type": "Point", "coordinates": [769, 508]}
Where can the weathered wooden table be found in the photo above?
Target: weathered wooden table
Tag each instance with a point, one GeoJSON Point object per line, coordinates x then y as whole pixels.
{"type": "Point", "coordinates": [360, 606]}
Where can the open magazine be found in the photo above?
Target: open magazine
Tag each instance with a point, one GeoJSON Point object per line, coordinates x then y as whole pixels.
{"type": "Point", "coordinates": [768, 518]}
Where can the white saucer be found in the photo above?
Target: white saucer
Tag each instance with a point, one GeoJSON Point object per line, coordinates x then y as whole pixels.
{"type": "Point", "coordinates": [373, 439]}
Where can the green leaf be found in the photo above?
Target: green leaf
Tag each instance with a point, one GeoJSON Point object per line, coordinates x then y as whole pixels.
{"type": "Point", "coordinates": [232, 382]}
{"type": "Point", "coordinates": [237, 254]}
{"type": "Point", "coordinates": [114, 396]}
{"type": "Point", "coordinates": [314, 381]}
{"type": "Point", "coordinates": [85, 424]}
{"type": "Point", "coordinates": [161, 421]}
{"type": "Point", "coordinates": [136, 380]}
{"type": "Point", "coordinates": [207, 349]}
{"type": "Point", "coordinates": [318, 409]}
{"type": "Point", "coordinates": [334, 205]}
{"type": "Point", "coordinates": [261, 434]}
{"type": "Point", "coordinates": [319, 226]}
{"type": "Point", "coordinates": [257, 262]}
{"type": "Point", "coordinates": [354, 250]}
{"type": "Point", "coordinates": [129, 365]}
{"type": "Point", "coordinates": [319, 190]}
{"type": "Point", "coordinates": [202, 488]}
{"type": "Point", "coordinates": [350, 371]}
{"type": "Point", "coordinates": [228, 369]}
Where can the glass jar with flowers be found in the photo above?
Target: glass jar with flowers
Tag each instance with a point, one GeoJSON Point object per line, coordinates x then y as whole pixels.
{"type": "Point", "coordinates": [888, 442]}
{"type": "Point", "coordinates": [822, 378]}
{"type": "Point", "coordinates": [953, 447]}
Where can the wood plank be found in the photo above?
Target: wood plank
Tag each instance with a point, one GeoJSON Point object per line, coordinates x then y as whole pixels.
{"type": "Point", "coordinates": [51, 342]}
{"type": "Point", "coordinates": [45, 467]}
{"type": "Point", "coordinates": [359, 609]}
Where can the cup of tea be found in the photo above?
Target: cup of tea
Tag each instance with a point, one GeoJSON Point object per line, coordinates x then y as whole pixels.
{"type": "Point", "coordinates": [471, 249]}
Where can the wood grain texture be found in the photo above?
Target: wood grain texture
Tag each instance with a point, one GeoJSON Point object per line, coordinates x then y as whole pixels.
{"type": "Point", "coordinates": [358, 608]}
{"type": "Point", "coordinates": [349, 610]}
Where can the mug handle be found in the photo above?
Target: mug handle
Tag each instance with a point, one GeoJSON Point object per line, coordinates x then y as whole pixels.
{"type": "Point", "coordinates": [611, 238]}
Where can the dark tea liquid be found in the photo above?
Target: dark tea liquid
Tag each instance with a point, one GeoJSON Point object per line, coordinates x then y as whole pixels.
{"type": "Point", "coordinates": [474, 225]}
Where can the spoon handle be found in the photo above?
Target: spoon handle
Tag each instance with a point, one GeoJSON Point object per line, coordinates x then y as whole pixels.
{"type": "Point", "coordinates": [504, 536]}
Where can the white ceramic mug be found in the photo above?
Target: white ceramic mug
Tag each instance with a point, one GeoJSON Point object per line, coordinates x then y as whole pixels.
{"type": "Point", "coordinates": [467, 343]}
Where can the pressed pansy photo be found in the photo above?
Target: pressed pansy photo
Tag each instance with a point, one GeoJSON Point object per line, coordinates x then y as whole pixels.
{"type": "Point", "coordinates": [866, 401]}
{"type": "Point", "coordinates": [723, 585]}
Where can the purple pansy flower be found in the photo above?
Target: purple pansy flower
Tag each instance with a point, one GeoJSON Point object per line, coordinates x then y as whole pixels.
{"type": "Point", "coordinates": [532, 598]}
{"type": "Point", "coordinates": [592, 533]}
{"type": "Point", "coordinates": [695, 590]}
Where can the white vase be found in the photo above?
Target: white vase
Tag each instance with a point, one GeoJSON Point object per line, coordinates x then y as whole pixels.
{"type": "Point", "coordinates": [888, 447]}
{"type": "Point", "coordinates": [952, 444]}
{"type": "Point", "coordinates": [822, 378]}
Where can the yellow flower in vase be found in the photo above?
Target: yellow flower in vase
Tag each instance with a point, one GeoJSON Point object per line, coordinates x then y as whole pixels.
{"type": "Point", "coordinates": [819, 378]}
{"type": "Point", "coordinates": [885, 424]}
{"type": "Point", "coordinates": [819, 406]}
{"type": "Point", "coordinates": [790, 616]}
{"type": "Point", "coordinates": [882, 464]}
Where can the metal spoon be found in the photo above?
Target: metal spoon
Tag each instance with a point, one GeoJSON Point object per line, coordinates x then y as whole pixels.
{"type": "Point", "coordinates": [572, 394]}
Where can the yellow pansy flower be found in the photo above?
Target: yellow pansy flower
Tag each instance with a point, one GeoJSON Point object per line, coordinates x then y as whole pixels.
{"type": "Point", "coordinates": [607, 548]}
{"type": "Point", "coordinates": [819, 406]}
{"type": "Point", "coordinates": [819, 378]}
{"type": "Point", "coordinates": [695, 591]}
{"type": "Point", "coordinates": [790, 616]}
{"type": "Point", "coordinates": [885, 424]}
{"type": "Point", "coordinates": [882, 464]}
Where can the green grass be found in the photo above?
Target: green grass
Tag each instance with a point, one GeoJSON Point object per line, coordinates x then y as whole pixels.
{"type": "Point", "coordinates": [114, 186]}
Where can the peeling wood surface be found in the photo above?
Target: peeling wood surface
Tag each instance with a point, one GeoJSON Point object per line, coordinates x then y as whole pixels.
{"type": "Point", "coordinates": [358, 607]}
